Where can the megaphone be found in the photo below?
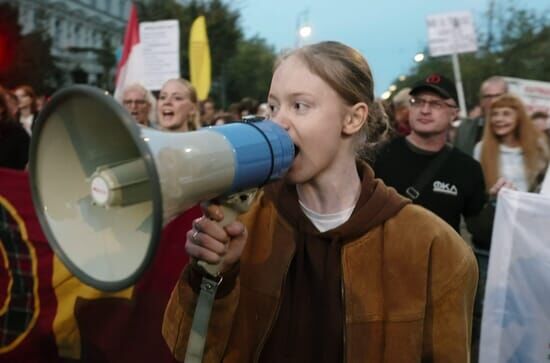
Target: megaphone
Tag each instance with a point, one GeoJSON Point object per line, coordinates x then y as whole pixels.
{"type": "Point", "coordinates": [103, 187]}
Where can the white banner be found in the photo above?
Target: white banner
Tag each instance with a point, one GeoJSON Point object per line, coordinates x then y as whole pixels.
{"type": "Point", "coordinates": [534, 94]}
{"type": "Point", "coordinates": [161, 51]}
{"type": "Point", "coordinates": [450, 33]}
{"type": "Point", "coordinates": [516, 313]}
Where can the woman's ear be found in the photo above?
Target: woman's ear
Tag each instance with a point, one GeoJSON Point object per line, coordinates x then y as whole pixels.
{"type": "Point", "coordinates": [355, 118]}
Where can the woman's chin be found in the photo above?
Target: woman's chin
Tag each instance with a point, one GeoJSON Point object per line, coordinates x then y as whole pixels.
{"type": "Point", "coordinates": [170, 124]}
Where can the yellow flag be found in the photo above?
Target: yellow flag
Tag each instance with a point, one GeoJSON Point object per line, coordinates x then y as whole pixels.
{"type": "Point", "coordinates": [199, 58]}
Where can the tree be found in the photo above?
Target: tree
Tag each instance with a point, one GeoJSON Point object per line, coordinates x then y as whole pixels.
{"type": "Point", "coordinates": [25, 59]}
{"type": "Point", "coordinates": [516, 44]}
{"type": "Point", "coordinates": [249, 72]}
{"type": "Point", "coordinates": [226, 44]}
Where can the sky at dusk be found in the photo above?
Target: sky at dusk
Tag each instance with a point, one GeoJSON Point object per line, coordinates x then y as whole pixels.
{"type": "Point", "coordinates": [387, 32]}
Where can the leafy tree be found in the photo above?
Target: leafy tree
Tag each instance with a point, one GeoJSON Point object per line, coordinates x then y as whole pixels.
{"type": "Point", "coordinates": [25, 59]}
{"type": "Point", "coordinates": [516, 44]}
{"type": "Point", "coordinates": [250, 70]}
{"type": "Point", "coordinates": [226, 44]}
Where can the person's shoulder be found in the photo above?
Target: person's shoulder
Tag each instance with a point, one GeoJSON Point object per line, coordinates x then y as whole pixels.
{"type": "Point", "coordinates": [15, 130]}
{"type": "Point", "coordinates": [463, 158]}
{"type": "Point", "coordinates": [394, 144]}
{"type": "Point", "coordinates": [420, 219]}
{"type": "Point", "coordinates": [424, 228]}
{"type": "Point", "coordinates": [418, 233]}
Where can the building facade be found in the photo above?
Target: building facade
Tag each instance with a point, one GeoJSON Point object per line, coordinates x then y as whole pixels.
{"type": "Point", "coordinates": [85, 34]}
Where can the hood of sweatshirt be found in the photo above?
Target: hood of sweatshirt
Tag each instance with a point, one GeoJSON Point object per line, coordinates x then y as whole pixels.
{"type": "Point", "coordinates": [377, 203]}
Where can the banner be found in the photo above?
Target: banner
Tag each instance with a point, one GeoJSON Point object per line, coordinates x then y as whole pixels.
{"type": "Point", "coordinates": [516, 313]}
{"type": "Point", "coordinates": [199, 58]}
{"type": "Point", "coordinates": [130, 69]}
{"type": "Point", "coordinates": [161, 52]}
{"type": "Point", "coordinates": [47, 315]}
{"type": "Point", "coordinates": [451, 33]}
{"type": "Point", "coordinates": [534, 94]}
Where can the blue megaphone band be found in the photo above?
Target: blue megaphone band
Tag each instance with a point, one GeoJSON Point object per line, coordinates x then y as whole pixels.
{"type": "Point", "coordinates": [263, 151]}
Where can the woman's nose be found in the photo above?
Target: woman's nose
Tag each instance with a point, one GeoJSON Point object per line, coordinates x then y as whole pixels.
{"type": "Point", "coordinates": [281, 119]}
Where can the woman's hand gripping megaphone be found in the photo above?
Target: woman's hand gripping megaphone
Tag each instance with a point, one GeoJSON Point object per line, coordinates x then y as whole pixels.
{"type": "Point", "coordinates": [217, 239]}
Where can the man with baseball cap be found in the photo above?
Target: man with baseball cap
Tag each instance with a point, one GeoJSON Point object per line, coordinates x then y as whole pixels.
{"type": "Point", "coordinates": [423, 166]}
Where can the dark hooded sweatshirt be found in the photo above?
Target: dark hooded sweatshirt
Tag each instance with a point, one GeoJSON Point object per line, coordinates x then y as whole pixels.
{"type": "Point", "coordinates": [309, 326]}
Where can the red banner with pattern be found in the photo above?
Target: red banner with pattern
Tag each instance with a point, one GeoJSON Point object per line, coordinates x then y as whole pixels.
{"type": "Point", "coordinates": [47, 315]}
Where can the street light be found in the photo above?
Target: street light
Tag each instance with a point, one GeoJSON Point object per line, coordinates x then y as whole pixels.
{"type": "Point", "coordinates": [419, 57]}
{"type": "Point", "coordinates": [303, 29]}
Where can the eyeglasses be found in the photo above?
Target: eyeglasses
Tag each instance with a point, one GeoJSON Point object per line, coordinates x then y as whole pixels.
{"type": "Point", "coordinates": [493, 95]}
{"type": "Point", "coordinates": [134, 102]}
{"type": "Point", "coordinates": [417, 102]}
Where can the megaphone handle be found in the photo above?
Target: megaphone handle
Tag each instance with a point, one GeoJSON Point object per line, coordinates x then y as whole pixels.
{"type": "Point", "coordinates": [229, 215]}
{"type": "Point", "coordinates": [232, 206]}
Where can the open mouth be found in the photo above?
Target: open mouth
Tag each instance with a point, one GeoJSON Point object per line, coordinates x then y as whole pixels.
{"type": "Point", "coordinates": [167, 114]}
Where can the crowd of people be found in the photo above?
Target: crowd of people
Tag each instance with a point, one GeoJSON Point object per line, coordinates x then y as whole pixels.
{"type": "Point", "coordinates": [368, 247]}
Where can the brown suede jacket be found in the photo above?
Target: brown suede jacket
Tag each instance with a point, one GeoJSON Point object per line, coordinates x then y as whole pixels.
{"type": "Point", "coordinates": [408, 291]}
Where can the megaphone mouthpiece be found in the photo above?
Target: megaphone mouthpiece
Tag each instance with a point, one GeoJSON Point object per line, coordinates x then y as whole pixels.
{"type": "Point", "coordinates": [120, 185]}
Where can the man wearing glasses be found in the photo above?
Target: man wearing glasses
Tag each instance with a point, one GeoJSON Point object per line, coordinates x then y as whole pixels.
{"type": "Point", "coordinates": [140, 103]}
{"type": "Point", "coordinates": [423, 167]}
{"type": "Point", "coordinates": [470, 131]}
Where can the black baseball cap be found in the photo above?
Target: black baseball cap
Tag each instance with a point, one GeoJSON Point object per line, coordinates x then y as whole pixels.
{"type": "Point", "coordinates": [437, 83]}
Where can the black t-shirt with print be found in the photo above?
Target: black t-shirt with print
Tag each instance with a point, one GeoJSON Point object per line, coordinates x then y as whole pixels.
{"type": "Point", "coordinates": [457, 188]}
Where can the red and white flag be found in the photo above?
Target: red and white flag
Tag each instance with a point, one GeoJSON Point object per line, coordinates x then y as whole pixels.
{"type": "Point", "coordinates": [130, 69]}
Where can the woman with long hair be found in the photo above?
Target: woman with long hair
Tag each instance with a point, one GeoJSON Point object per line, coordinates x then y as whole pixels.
{"type": "Point", "coordinates": [329, 264]}
{"type": "Point", "coordinates": [178, 107]}
{"type": "Point", "coordinates": [512, 150]}
{"type": "Point", "coordinates": [27, 108]}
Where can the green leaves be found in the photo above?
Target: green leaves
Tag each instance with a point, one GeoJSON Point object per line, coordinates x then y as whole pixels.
{"type": "Point", "coordinates": [514, 42]}
{"type": "Point", "coordinates": [240, 67]}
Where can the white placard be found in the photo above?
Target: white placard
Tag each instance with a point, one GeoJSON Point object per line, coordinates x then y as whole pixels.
{"type": "Point", "coordinates": [534, 94]}
{"type": "Point", "coordinates": [450, 33]}
{"type": "Point", "coordinates": [161, 51]}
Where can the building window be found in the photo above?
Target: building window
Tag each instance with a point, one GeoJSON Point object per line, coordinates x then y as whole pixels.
{"type": "Point", "coordinates": [77, 33]}
{"type": "Point", "coordinates": [122, 8]}
{"type": "Point", "coordinates": [57, 32]}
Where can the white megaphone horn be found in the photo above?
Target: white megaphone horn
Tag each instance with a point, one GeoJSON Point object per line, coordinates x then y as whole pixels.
{"type": "Point", "coordinates": [103, 187]}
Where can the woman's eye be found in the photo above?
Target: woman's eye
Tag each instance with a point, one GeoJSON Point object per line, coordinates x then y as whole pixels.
{"type": "Point", "coordinates": [300, 106]}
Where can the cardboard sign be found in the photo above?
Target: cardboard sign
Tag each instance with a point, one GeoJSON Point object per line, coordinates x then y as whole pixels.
{"type": "Point", "coordinates": [450, 33]}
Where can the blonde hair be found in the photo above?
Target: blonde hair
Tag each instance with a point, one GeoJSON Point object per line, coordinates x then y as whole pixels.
{"type": "Point", "coordinates": [194, 123]}
{"type": "Point", "coordinates": [347, 72]}
{"type": "Point", "coordinates": [528, 137]}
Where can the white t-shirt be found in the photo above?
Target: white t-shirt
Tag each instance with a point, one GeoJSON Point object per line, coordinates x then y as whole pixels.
{"type": "Point", "coordinates": [511, 165]}
{"type": "Point", "coordinates": [26, 122]}
{"type": "Point", "coordinates": [325, 222]}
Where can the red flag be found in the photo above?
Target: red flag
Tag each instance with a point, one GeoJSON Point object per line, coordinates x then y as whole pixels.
{"type": "Point", "coordinates": [47, 315]}
{"type": "Point", "coordinates": [130, 69]}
